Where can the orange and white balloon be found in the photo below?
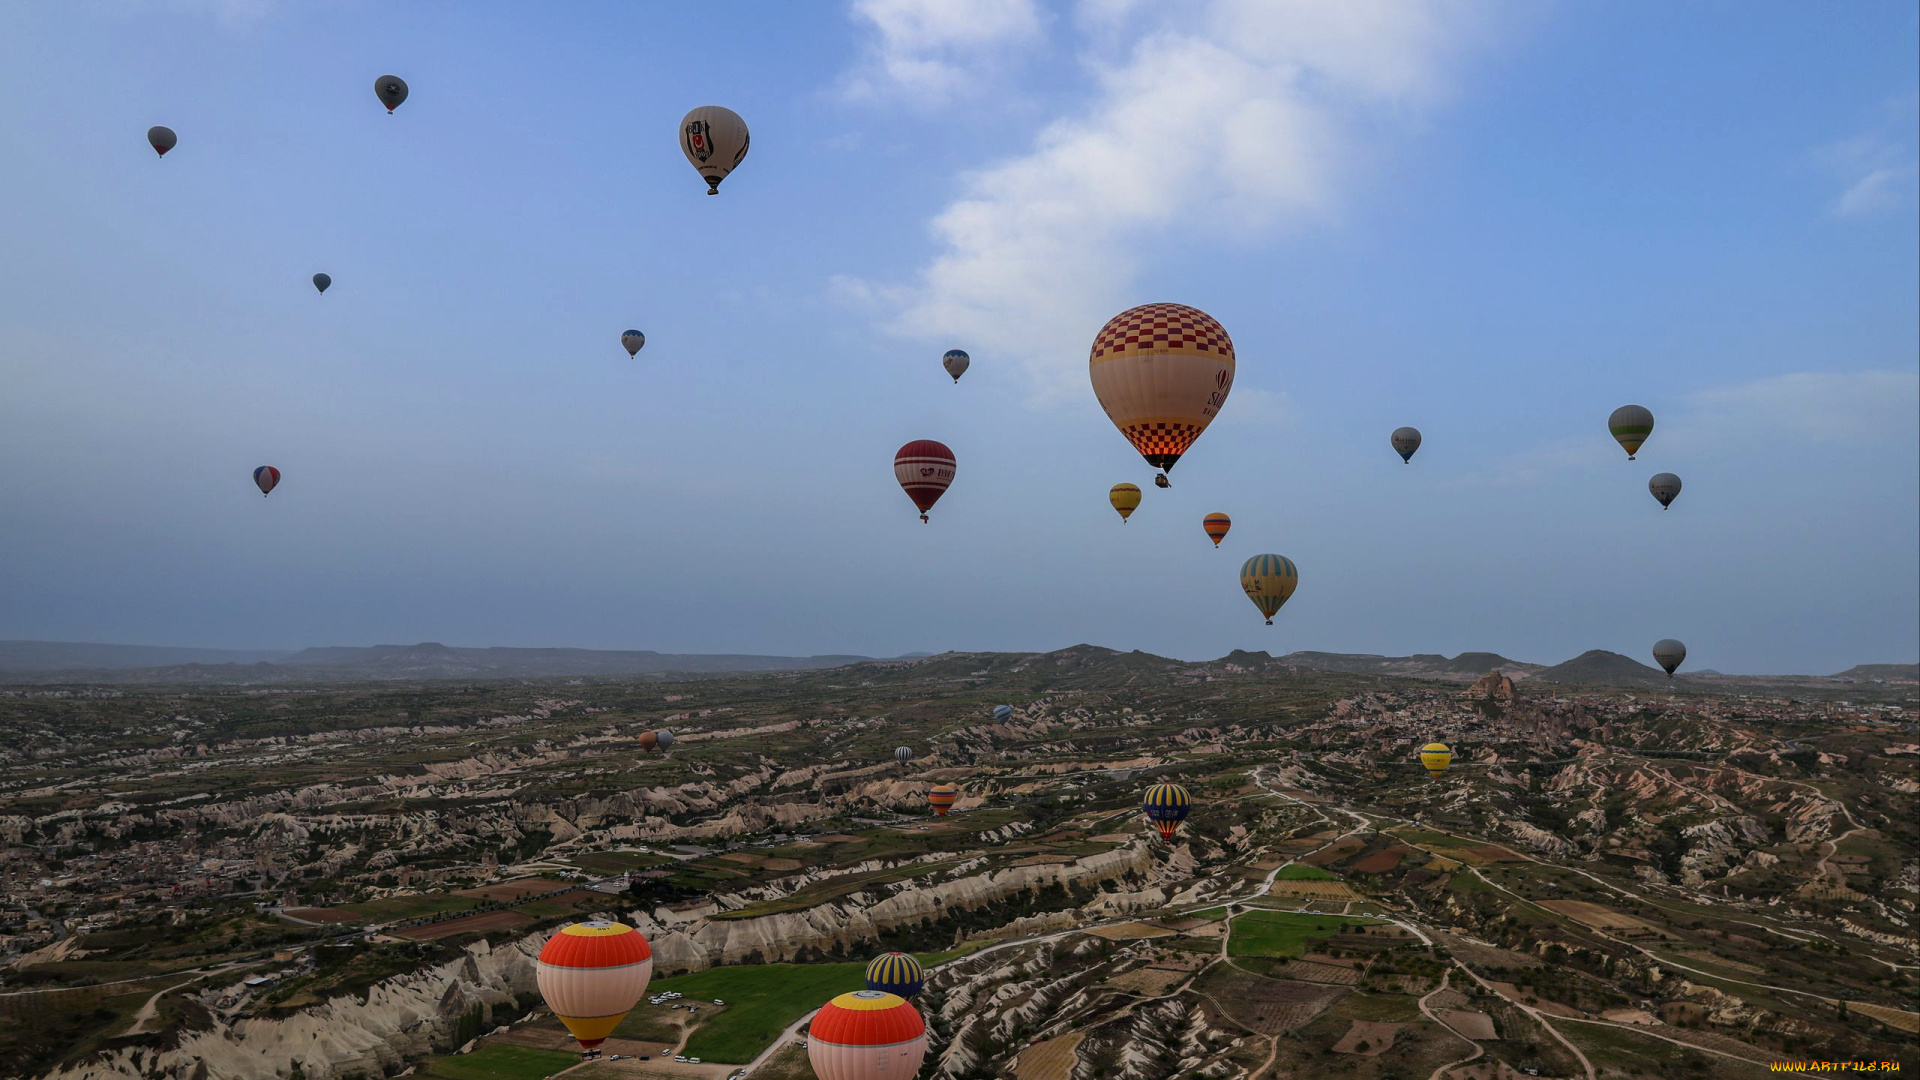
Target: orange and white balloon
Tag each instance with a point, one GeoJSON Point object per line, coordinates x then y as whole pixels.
{"type": "Point", "coordinates": [1162, 372]}
{"type": "Point", "coordinates": [591, 974]}
{"type": "Point", "coordinates": [867, 1035]}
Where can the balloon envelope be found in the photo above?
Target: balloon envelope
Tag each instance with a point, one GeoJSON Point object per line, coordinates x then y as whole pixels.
{"type": "Point", "coordinates": [715, 140]}
{"type": "Point", "coordinates": [1435, 757]}
{"type": "Point", "coordinates": [591, 974]}
{"type": "Point", "coordinates": [1162, 372]}
{"type": "Point", "coordinates": [903, 754]}
{"type": "Point", "coordinates": [266, 478]}
{"type": "Point", "coordinates": [633, 341]}
{"type": "Point", "coordinates": [649, 741]}
{"type": "Point", "coordinates": [956, 362]}
{"type": "Point", "coordinates": [867, 1035]}
{"type": "Point", "coordinates": [1669, 654]}
{"type": "Point", "coordinates": [942, 797]}
{"type": "Point", "coordinates": [924, 468]}
{"type": "Point", "coordinates": [1405, 441]}
{"type": "Point", "coordinates": [1665, 487]}
{"type": "Point", "coordinates": [161, 139]}
{"type": "Point", "coordinates": [1125, 498]}
{"type": "Point", "coordinates": [666, 740]}
{"type": "Point", "coordinates": [1167, 805]}
{"type": "Point", "coordinates": [1216, 526]}
{"type": "Point", "coordinates": [1268, 580]}
{"type": "Point", "coordinates": [896, 973]}
{"type": "Point", "coordinates": [1003, 713]}
{"type": "Point", "coordinates": [1630, 425]}
{"type": "Point", "coordinates": [391, 89]}
{"type": "Point", "coordinates": [321, 281]}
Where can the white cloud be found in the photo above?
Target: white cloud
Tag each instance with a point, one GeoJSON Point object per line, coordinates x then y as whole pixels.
{"type": "Point", "coordinates": [1878, 169]}
{"type": "Point", "coordinates": [1864, 406]}
{"type": "Point", "coordinates": [1216, 120]}
{"type": "Point", "coordinates": [931, 50]}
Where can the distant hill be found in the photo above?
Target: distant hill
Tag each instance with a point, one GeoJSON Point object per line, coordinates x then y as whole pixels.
{"type": "Point", "coordinates": [1598, 667]}
{"type": "Point", "coordinates": [428, 661]}
{"type": "Point", "coordinates": [1463, 668]}
{"type": "Point", "coordinates": [1893, 673]}
{"type": "Point", "coordinates": [25, 656]}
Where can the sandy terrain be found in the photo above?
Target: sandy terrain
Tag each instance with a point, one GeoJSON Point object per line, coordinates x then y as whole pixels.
{"type": "Point", "coordinates": [1471, 1025]}
{"type": "Point", "coordinates": [1377, 1035]}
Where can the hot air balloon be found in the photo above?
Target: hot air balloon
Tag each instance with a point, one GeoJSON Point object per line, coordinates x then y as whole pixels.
{"type": "Point", "coordinates": [714, 140]}
{"type": "Point", "coordinates": [924, 468]}
{"type": "Point", "coordinates": [903, 755]}
{"type": "Point", "coordinates": [634, 341]}
{"type": "Point", "coordinates": [867, 1035]}
{"type": "Point", "coordinates": [1003, 713]}
{"type": "Point", "coordinates": [1630, 425]}
{"type": "Point", "coordinates": [1167, 805]}
{"type": "Point", "coordinates": [1216, 526]}
{"type": "Point", "coordinates": [266, 478]}
{"type": "Point", "coordinates": [1268, 580]}
{"type": "Point", "coordinates": [392, 90]}
{"type": "Point", "coordinates": [1405, 441]}
{"type": "Point", "coordinates": [896, 973]}
{"type": "Point", "coordinates": [942, 797]}
{"type": "Point", "coordinates": [666, 740]}
{"type": "Point", "coordinates": [956, 362]}
{"type": "Point", "coordinates": [1125, 498]}
{"type": "Point", "coordinates": [1162, 372]}
{"type": "Point", "coordinates": [1669, 654]}
{"type": "Point", "coordinates": [162, 139]}
{"type": "Point", "coordinates": [591, 974]}
{"type": "Point", "coordinates": [321, 281]}
{"type": "Point", "coordinates": [1665, 487]}
{"type": "Point", "coordinates": [1435, 757]}
{"type": "Point", "coordinates": [649, 741]}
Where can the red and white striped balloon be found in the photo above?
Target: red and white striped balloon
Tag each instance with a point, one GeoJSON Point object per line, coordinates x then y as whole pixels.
{"type": "Point", "coordinates": [924, 469]}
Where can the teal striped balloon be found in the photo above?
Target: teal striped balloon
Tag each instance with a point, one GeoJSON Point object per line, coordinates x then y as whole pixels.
{"type": "Point", "coordinates": [1268, 580]}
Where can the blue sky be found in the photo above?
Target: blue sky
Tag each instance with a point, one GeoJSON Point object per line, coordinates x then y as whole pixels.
{"type": "Point", "coordinates": [1495, 222]}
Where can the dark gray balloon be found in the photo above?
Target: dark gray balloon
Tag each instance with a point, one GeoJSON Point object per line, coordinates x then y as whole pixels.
{"type": "Point", "coordinates": [666, 741]}
{"type": "Point", "coordinates": [161, 139]}
{"type": "Point", "coordinates": [321, 281]}
{"type": "Point", "coordinates": [634, 341]}
{"type": "Point", "coordinates": [1405, 441]}
{"type": "Point", "coordinates": [392, 90]}
{"type": "Point", "coordinates": [1669, 654]}
{"type": "Point", "coordinates": [903, 754]}
{"type": "Point", "coordinates": [1665, 487]}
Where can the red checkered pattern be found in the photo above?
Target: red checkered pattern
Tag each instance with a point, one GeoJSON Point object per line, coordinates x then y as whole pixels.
{"type": "Point", "coordinates": [1174, 327]}
{"type": "Point", "coordinates": [1155, 439]}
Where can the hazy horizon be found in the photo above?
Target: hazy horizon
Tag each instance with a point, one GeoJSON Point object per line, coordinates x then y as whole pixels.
{"type": "Point", "coordinates": [1493, 221]}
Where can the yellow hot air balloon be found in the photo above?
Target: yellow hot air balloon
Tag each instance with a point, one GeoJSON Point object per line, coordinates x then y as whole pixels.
{"type": "Point", "coordinates": [1125, 498]}
{"type": "Point", "coordinates": [1435, 757]}
{"type": "Point", "coordinates": [1268, 580]}
{"type": "Point", "coordinates": [1162, 371]}
{"type": "Point", "coordinates": [1217, 526]}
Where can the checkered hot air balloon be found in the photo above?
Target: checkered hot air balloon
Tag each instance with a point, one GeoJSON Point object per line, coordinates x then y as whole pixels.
{"type": "Point", "coordinates": [1167, 805]}
{"type": "Point", "coordinates": [591, 974]}
{"type": "Point", "coordinates": [867, 1035]}
{"type": "Point", "coordinates": [942, 797]}
{"type": "Point", "coordinates": [896, 973]}
{"type": "Point", "coordinates": [925, 469]}
{"type": "Point", "coordinates": [1162, 372]}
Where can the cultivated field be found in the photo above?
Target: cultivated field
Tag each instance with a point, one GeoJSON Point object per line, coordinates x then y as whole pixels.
{"type": "Point", "coordinates": [466, 924]}
{"type": "Point", "coordinates": [1368, 1037]}
{"type": "Point", "coordinates": [1601, 918]}
{"type": "Point", "coordinates": [508, 891]}
{"type": "Point", "coordinates": [1268, 1006]}
{"type": "Point", "coordinates": [1148, 981]}
{"type": "Point", "coordinates": [1132, 931]}
{"type": "Point", "coordinates": [1472, 1025]}
{"type": "Point", "coordinates": [1049, 1060]}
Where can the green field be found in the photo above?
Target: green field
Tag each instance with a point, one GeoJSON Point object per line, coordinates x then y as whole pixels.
{"type": "Point", "coordinates": [616, 862]}
{"type": "Point", "coordinates": [501, 1062]}
{"type": "Point", "coordinates": [1282, 933]}
{"type": "Point", "coordinates": [1303, 872]}
{"type": "Point", "coordinates": [409, 907]}
{"type": "Point", "coordinates": [762, 999]}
